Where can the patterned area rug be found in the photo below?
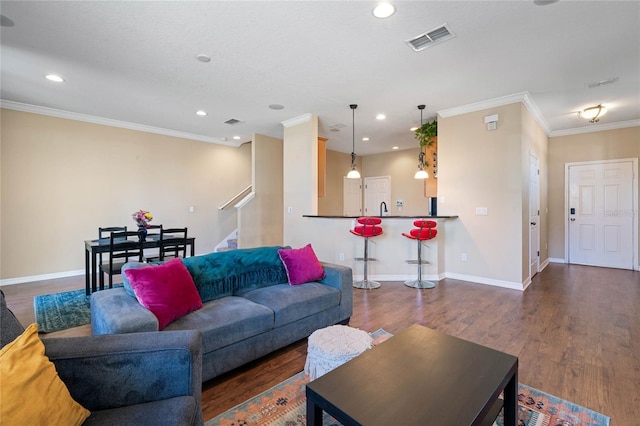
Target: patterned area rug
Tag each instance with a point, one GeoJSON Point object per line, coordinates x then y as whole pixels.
{"type": "Point", "coordinates": [64, 310]}
{"type": "Point", "coordinates": [285, 405]}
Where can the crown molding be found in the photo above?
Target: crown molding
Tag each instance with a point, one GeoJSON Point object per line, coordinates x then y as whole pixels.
{"type": "Point", "coordinates": [52, 112]}
{"type": "Point", "coordinates": [522, 97]}
{"type": "Point", "coordinates": [595, 128]}
{"type": "Point", "coordinates": [296, 121]}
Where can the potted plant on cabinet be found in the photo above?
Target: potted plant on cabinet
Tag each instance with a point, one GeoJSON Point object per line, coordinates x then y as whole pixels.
{"type": "Point", "coordinates": [425, 133]}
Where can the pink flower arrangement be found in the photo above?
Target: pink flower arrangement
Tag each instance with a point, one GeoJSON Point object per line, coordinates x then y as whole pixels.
{"type": "Point", "coordinates": [142, 218]}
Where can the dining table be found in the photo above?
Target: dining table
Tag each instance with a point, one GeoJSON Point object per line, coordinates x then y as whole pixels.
{"type": "Point", "coordinates": [101, 245]}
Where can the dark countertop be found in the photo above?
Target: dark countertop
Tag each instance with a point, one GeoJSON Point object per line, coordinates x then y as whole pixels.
{"type": "Point", "coordinates": [381, 217]}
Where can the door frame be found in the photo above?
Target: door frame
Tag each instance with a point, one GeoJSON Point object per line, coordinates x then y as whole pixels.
{"type": "Point", "coordinates": [634, 202]}
{"type": "Point", "coordinates": [539, 225]}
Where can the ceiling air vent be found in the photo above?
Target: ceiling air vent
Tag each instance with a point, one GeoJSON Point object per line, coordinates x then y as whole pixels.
{"type": "Point", "coordinates": [431, 38]}
{"type": "Point", "coordinates": [232, 121]}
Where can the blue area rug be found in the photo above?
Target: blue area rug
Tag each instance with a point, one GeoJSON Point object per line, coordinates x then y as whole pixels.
{"type": "Point", "coordinates": [60, 311]}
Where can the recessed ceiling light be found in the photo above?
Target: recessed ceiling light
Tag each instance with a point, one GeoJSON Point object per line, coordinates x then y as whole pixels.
{"type": "Point", "coordinates": [236, 137]}
{"type": "Point", "coordinates": [365, 139]}
{"type": "Point", "coordinates": [54, 77]}
{"type": "Point", "coordinates": [395, 147]}
{"type": "Point", "coordinates": [380, 117]}
{"type": "Point", "coordinates": [413, 129]}
{"type": "Point", "coordinates": [384, 10]}
{"type": "Point", "coordinates": [276, 106]}
{"type": "Point", "coordinates": [203, 58]}
{"type": "Point", "coordinates": [201, 113]}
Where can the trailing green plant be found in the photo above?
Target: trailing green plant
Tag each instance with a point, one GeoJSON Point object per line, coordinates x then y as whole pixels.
{"type": "Point", "coordinates": [425, 133]}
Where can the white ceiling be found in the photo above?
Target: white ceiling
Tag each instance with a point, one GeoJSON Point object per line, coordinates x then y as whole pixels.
{"type": "Point", "coordinates": [134, 62]}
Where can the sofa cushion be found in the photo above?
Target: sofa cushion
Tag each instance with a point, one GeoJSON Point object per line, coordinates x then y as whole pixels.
{"type": "Point", "coordinates": [290, 303]}
{"type": "Point", "coordinates": [219, 274]}
{"type": "Point", "coordinates": [10, 327]}
{"type": "Point", "coordinates": [225, 321]}
{"type": "Point", "coordinates": [167, 290]}
{"type": "Point", "coordinates": [180, 410]}
{"type": "Point", "coordinates": [125, 281]}
{"type": "Point", "coordinates": [302, 265]}
{"type": "Point", "coordinates": [26, 375]}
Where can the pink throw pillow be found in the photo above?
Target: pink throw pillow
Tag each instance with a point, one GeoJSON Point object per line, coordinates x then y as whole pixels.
{"type": "Point", "coordinates": [167, 290]}
{"type": "Point", "coordinates": [301, 264]}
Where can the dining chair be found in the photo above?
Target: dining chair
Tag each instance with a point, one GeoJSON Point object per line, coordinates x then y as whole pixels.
{"type": "Point", "coordinates": [123, 246]}
{"type": "Point", "coordinates": [173, 243]}
{"type": "Point", "coordinates": [104, 233]}
{"type": "Point", "coordinates": [153, 234]}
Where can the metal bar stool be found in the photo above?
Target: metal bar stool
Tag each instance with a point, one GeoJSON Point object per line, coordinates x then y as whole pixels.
{"type": "Point", "coordinates": [423, 231]}
{"type": "Point", "coordinates": [367, 228]}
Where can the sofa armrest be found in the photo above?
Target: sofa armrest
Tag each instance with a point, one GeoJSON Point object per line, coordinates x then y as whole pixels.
{"type": "Point", "coordinates": [103, 372]}
{"type": "Point", "coordinates": [340, 277]}
{"type": "Point", "coordinates": [113, 311]}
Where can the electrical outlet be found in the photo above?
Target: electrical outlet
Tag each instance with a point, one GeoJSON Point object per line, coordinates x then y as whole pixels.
{"type": "Point", "coordinates": [463, 257]}
{"type": "Point", "coordinates": [341, 256]}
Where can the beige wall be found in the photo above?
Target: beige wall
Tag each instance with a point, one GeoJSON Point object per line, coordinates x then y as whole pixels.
{"type": "Point", "coordinates": [603, 145]}
{"type": "Point", "coordinates": [62, 179]}
{"type": "Point", "coordinates": [401, 166]}
{"type": "Point", "coordinates": [260, 222]}
{"type": "Point", "coordinates": [482, 168]}
{"type": "Point", "coordinates": [300, 177]}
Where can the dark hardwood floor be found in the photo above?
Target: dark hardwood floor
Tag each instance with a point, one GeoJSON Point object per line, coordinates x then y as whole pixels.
{"type": "Point", "coordinates": [576, 332]}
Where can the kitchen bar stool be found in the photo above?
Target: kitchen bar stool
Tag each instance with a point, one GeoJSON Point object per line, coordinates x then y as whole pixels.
{"type": "Point", "coordinates": [367, 228]}
{"type": "Point", "coordinates": [423, 231]}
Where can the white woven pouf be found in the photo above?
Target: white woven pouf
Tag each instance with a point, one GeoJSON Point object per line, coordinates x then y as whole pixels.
{"type": "Point", "coordinates": [332, 346]}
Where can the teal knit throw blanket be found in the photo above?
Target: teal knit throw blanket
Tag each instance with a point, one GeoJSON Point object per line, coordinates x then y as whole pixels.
{"type": "Point", "coordinates": [220, 274]}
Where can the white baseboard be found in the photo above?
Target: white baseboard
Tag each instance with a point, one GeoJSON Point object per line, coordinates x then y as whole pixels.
{"type": "Point", "coordinates": [487, 281]}
{"type": "Point", "coordinates": [557, 260]}
{"type": "Point", "coordinates": [20, 280]}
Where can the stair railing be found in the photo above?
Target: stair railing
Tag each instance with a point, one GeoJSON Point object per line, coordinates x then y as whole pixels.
{"type": "Point", "coordinates": [235, 197]}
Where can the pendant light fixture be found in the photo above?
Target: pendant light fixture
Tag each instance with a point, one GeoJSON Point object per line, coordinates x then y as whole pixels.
{"type": "Point", "coordinates": [353, 173]}
{"type": "Point", "coordinates": [421, 173]}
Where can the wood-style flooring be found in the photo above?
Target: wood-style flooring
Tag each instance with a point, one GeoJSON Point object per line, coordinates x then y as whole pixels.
{"type": "Point", "coordinates": [575, 330]}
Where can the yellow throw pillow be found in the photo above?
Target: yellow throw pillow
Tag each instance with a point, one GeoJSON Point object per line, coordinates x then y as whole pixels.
{"type": "Point", "coordinates": [31, 393]}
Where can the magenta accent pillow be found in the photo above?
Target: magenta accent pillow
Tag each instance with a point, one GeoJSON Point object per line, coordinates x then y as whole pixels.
{"type": "Point", "coordinates": [167, 290]}
{"type": "Point", "coordinates": [301, 264]}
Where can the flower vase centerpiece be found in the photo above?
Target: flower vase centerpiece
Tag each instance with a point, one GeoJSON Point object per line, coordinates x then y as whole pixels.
{"type": "Point", "coordinates": [143, 218]}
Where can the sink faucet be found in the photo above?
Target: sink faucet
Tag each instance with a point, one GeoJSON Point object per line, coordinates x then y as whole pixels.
{"type": "Point", "coordinates": [385, 208]}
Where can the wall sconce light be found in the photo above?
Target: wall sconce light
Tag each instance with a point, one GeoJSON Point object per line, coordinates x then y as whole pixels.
{"type": "Point", "coordinates": [491, 121]}
{"type": "Point", "coordinates": [594, 113]}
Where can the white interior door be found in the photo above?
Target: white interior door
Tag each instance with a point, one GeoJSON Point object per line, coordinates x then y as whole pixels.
{"type": "Point", "coordinates": [352, 197]}
{"type": "Point", "coordinates": [376, 191]}
{"type": "Point", "coordinates": [600, 215]}
{"type": "Point", "coordinates": [534, 215]}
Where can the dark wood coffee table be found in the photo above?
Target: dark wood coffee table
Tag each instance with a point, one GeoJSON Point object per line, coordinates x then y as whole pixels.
{"type": "Point", "coordinates": [418, 377]}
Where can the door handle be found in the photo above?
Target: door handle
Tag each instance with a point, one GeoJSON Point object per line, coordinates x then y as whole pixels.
{"type": "Point", "coordinates": [573, 219]}
{"type": "Point", "coordinates": [533, 223]}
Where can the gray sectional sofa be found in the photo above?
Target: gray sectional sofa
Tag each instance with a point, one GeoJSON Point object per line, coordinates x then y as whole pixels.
{"type": "Point", "coordinates": [249, 309]}
{"type": "Point", "coordinates": [134, 379]}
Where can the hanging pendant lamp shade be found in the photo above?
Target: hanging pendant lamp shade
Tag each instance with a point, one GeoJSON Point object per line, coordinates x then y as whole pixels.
{"type": "Point", "coordinates": [353, 173]}
{"type": "Point", "coordinates": [421, 173]}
